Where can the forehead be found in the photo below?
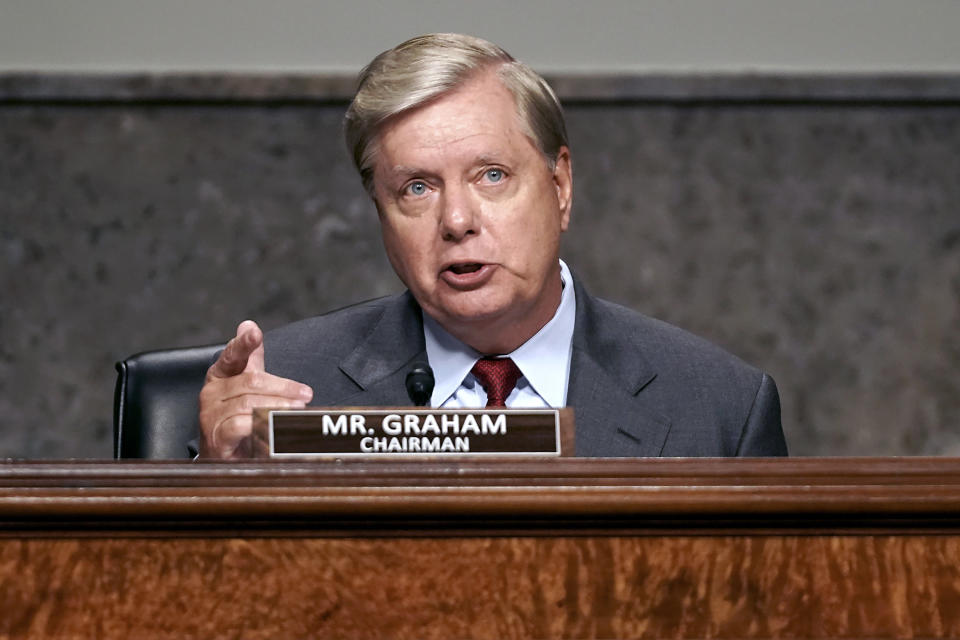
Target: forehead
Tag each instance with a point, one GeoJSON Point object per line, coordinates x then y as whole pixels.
{"type": "Point", "coordinates": [480, 113]}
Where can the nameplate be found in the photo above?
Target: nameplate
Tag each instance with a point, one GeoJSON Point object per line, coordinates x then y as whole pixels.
{"type": "Point", "coordinates": [366, 432]}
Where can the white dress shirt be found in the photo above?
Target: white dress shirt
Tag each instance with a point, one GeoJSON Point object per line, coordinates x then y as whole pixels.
{"type": "Point", "coordinates": [544, 361]}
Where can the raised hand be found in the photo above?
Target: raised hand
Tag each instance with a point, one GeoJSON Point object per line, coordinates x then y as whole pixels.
{"type": "Point", "coordinates": [236, 384]}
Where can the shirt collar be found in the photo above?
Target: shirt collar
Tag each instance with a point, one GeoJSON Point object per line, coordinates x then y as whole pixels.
{"type": "Point", "coordinates": [544, 359]}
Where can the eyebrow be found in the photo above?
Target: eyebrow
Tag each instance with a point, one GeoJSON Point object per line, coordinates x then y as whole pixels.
{"type": "Point", "coordinates": [488, 159]}
{"type": "Point", "coordinates": [409, 172]}
{"type": "Point", "coordinates": [401, 173]}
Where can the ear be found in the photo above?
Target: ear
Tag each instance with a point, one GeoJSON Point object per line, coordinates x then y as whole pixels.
{"type": "Point", "coordinates": [563, 181]}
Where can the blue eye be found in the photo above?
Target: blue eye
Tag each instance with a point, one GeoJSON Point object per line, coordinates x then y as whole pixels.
{"type": "Point", "coordinates": [417, 188]}
{"type": "Point", "coordinates": [494, 175]}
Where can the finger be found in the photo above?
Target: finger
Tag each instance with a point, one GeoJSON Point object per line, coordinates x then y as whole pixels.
{"type": "Point", "coordinates": [229, 433]}
{"type": "Point", "coordinates": [255, 361]}
{"type": "Point", "coordinates": [235, 356]}
{"type": "Point", "coordinates": [232, 422]}
{"type": "Point", "coordinates": [236, 423]}
{"type": "Point", "coordinates": [247, 403]}
{"type": "Point", "coordinates": [222, 440]}
{"type": "Point", "coordinates": [258, 383]}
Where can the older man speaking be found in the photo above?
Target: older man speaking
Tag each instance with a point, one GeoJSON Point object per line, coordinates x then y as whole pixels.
{"type": "Point", "coordinates": [464, 152]}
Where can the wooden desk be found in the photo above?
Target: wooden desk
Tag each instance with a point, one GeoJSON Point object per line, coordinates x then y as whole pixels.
{"type": "Point", "coordinates": [795, 548]}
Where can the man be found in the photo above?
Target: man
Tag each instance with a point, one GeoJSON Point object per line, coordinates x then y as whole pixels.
{"type": "Point", "coordinates": [464, 152]}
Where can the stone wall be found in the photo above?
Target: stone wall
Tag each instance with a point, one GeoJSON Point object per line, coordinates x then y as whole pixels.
{"type": "Point", "coordinates": [809, 225]}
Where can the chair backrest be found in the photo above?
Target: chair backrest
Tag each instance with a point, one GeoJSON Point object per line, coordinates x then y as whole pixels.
{"type": "Point", "coordinates": [156, 401]}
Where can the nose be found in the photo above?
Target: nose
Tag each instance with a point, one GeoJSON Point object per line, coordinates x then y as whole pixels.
{"type": "Point", "coordinates": [459, 216]}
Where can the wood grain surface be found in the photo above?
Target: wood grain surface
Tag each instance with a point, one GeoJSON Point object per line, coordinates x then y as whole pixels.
{"type": "Point", "coordinates": [559, 495]}
{"type": "Point", "coordinates": [865, 548]}
{"type": "Point", "coordinates": [511, 587]}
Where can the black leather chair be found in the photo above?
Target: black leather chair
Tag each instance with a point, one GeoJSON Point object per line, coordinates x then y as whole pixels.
{"type": "Point", "coordinates": [156, 399]}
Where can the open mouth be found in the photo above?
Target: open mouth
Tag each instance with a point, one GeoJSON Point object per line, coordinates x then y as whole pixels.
{"type": "Point", "coordinates": [467, 267]}
{"type": "Point", "coordinates": [467, 276]}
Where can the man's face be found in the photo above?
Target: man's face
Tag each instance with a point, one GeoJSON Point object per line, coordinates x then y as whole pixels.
{"type": "Point", "coordinates": [471, 215]}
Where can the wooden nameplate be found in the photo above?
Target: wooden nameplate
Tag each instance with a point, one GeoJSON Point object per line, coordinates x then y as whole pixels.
{"type": "Point", "coordinates": [409, 432]}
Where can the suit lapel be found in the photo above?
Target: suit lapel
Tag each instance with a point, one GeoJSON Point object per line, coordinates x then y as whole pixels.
{"type": "Point", "coordinates": [608, 373]}
{"type": "Point", "coordinates": [380, 362]}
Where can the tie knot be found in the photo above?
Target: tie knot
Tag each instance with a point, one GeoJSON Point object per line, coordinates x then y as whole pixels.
{"type": "Point", "coordinates": [498, 377]}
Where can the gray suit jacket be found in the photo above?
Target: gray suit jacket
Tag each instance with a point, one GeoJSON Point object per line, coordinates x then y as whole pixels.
{"type": "Point", "coordinates": [638, 386]}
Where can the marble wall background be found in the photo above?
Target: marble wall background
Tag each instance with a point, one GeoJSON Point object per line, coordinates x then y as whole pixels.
{"type": "Point", "coordinates": [813, 231]}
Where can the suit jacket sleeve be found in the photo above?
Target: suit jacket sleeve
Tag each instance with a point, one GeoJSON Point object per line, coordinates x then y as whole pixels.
{"type": "Point", "coordinates": [762, 433]}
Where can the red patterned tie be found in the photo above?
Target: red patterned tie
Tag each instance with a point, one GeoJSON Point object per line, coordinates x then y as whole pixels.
{"type": "Point", "coordinates": [498, 377]}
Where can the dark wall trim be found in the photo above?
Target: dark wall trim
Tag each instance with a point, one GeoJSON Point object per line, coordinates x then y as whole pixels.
{"type": "Point", "coordinates": [20, 88]}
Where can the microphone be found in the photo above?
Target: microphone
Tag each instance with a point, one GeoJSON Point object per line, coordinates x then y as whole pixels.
{"type": "Point", "coordinates": [420, 383]}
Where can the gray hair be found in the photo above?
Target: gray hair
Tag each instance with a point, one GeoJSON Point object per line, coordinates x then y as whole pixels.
{"type": "Point", "coordinates": [426, 67]}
